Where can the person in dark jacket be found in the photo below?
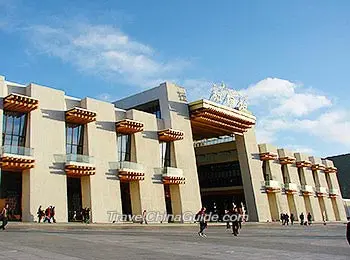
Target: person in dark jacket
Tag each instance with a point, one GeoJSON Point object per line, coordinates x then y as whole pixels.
{"type": "Point", "coordinates": [201, 218]}
{"type": "Point", "coordinates": [235, 222]}
{"type": "Point", "coordinates": [292, 218]}
{"type": "Point", "coordinates": [4, 216]}
{"type": "Point", "coordinates": [309, 218]}
{"type": "Point", "coordinates": [301, 218]}
{"type": "Point", "coordinates": [348, 232]}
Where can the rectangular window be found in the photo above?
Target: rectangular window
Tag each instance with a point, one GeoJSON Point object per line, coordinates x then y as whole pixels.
{"type": "Point", "coordinates": [14, 129]}
{"type": "Point", "coordinates": [165, 154]}
{"type": "Point", "coordinates": [74, 138]}
{"type": "Point", "coordinates": [285, 174]}
{"type": "Point", "coordinates": [124, 147]}
{"type": "Point", "coordinates": [152, 107]}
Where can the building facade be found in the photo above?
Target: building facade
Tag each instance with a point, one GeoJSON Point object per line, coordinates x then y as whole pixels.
{"type": "Point", "coordinates": [150, 151]}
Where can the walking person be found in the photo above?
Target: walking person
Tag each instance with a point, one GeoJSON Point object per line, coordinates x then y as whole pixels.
{"type": "Point", "coordinates": [301, 218]}
{"type": "Point", "coordinates": [348, 232]}
{"type": "Point", "coordinates": [309, 218]}
{"type": "Point", "coordinates": [235, 222]}
{"type": "Point", "coordinates": [48, 215]}
{"type": "Point", "coordinates": [292, 218]}
{"type": "Point", "coordinates": [286, 219]}
{"type": "Point", "coordinates": [144, 217]}
{"type": "Point", "coordinates": [40, 214]}
{"type": "Point", "coordinates": [227, 218]}
{"type": "Point", "coordinates": [282, 218]}
{"type": "Point", "coordinates": [52, 211]}
{"type": "Point", "coordinates": [4, 216]}
{"type": "Point", "coordinates": [200, 217]}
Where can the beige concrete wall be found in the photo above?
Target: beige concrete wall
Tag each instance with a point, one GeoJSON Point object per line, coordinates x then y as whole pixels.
{"type": "Point", "coordinates": [147, 153]}
{"type": "Point", "coordinates": [276, 174]}
{"type": "Point", "coordinates": [46, 183]}
{"type": "Point", "coordinates": [295, 201]}
{"type": "Point", "coordinates": [337, 203]}
{"type": "Point", "coordinates": [252, 177]}
{"type": "Point", "coordinates": [184, 152]}
{"type": "Point", "coordinates": [102, 145]}
{"type": "Point", "coordinates": [325, 202]}
{"type": "Point", "coordinates": [311, 203]}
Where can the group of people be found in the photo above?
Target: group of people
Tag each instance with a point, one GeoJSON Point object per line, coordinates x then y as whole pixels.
{"type": "Point", "coordinates": [82, 215]}
{"type": "Point", "coordinates": [309, 219]}
{"type": "Point", "coordinates": [233, 219]}
{"type": "Point", "coordinates": [48, 215]}
{"type": "Point", "coordinates": [285, 219]}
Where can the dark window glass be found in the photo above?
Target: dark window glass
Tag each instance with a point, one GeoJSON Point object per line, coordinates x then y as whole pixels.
{"type": "Point", "coordinates": [300, 173]}
{"type": "Point", "coordinates": [74, 138]}
{"type": "Point", "coordinates": [220, 175]}
{"type": "Point", "coordinates": [285, 174]}
{"type": "Point", "coordinates": [152, 107]}
{"type": "Point", "coordinates": [124, 147]}
{"type": "Point", "coordinates": [165, 154]}
{"type": "Point", "coordinates": [266, 173]}
{"type": "Point", "coordinates": [14, 128]}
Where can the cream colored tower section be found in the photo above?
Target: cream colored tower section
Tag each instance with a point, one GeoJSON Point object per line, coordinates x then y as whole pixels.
{"type": "Point", "coordinates": [338, 201]}
{"type": "Point", "coordinates": [276, 174]}
{"type": "Point", "coordinates": [252, 177]}
{"type": "Point", "coordinates": [46, 183]}
{"type": "Point", "coordinates": [147, 153]}
{"type": "Point", "coordinates": [185, 159]}
{"type": "Point", "coordinates": [312, 200]}
{"type": "Point", "coordinates": [102, 145]}
{"type": "Point", "coordinates": [325, 201]}
{"type": "Point", "coordinates": [292, 172]}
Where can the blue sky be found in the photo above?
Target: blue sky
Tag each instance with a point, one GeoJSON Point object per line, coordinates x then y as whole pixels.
{"type": "Point", "coordinates": [291, 58]}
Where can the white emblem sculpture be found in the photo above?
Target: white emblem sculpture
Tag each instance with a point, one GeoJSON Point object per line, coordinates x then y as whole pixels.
{"type": "Point", "coordinates": [228, 97]}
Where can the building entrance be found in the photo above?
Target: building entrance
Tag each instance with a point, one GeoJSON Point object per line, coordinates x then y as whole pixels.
{"type": "Point", "coordinates": [74, 199]}
{"type": "Point", "coordinates": [11, 193]}
{"type": "Point", "coordinates": [126, 200]}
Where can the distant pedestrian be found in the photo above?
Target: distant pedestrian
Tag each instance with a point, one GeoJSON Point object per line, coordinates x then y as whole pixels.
{"type": "Point", "coordinates": [52, 215]}
{"type": "Point", "coordinates": [48, 215]}
{"type": "Point", "coordinates": [286, 219]}
{"type": "Point", "coordinates": [4, 216]}
{"type": "Point", "coordinates": [227, 219]}
{"type": "Point", "coordinates": [302, 217]}
{"type": "Point", "coordinates": [282, 218]}
{"type": "Point", "coordinates": [144, 217]}
{"type": "Point", "coordinates": [40, 213]}
{"type": "Point", "coordinates": [292, 218]}
{"type": "Point", "coordinates": [348, 232]}
{"type": "Point", "coordinates": [309, 218]}
{"type": "Point", "coordinates": [235, 222]}
{"type": "Point", "coordinates": [201, 218]}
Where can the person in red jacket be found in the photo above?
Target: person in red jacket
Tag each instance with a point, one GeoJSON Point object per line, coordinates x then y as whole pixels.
{"type": "Point", "coordinates": [201, 218]}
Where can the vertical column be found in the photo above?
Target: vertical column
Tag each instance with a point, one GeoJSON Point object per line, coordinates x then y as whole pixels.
{"type": "Point", "coordinates": [325, 201]}
{"type": "Point", "coordinates": [338, 205]}
{"type": "Point", "coordinates": [102, 145]}
{"type": "Point", "coordinates": [311, 202]}
{"type": "Point", "coordinates": [252, 177]}
{"type": "Point", "coordinates": [295, 198]}
{"type": "Point", "coordinates": [147, 153]}
{"type": "Point", "coordinates": [46, 183]}
{"type": "Point", "coordinates": [177, 117]}
{"type": "Point", "coordinates": [276, 175]}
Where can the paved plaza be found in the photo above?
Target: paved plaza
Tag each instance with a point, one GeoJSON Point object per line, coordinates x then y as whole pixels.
{"type": "Point", "coordinates": [256, 241]}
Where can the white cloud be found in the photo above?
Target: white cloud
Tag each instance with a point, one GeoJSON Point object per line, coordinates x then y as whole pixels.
{"type": "Point", "coordinates": [268, 88]}
{"type": "Point", "coordinates": [302, 104]}
{"type": "Point", "coordinates": [332, 126]}
{"type": "Point", "coordinates": [105, 51]}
